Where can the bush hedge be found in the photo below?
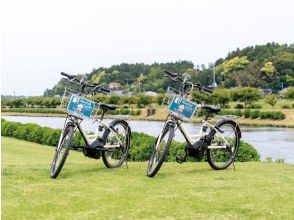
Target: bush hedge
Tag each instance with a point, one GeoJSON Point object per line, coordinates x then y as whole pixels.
{"type": "Point", "coordinates": [122, 111]}
{"type": "Point", "coordinates": [34, 110]}
{"type": "Point", "coordinates": [141, 144]}
{"type": "Point", "coordinates": [247, 113]}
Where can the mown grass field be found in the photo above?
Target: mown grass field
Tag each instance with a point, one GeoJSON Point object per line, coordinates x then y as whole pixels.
{"type": "Point", "coordinates": [86, 189]}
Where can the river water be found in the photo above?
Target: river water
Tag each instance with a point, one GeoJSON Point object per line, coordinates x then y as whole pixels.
{"type": "Point", "coordinates": [277, 143]}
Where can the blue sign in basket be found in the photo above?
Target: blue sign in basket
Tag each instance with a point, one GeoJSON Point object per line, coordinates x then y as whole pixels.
{"type": "Point", "coordinates": [80, 107]}
{"type": "Point", "coordinates": [182, 107]}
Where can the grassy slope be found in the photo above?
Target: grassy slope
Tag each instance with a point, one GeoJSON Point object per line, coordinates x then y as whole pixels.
{"type": "Point", "coordinates": [86, 189]}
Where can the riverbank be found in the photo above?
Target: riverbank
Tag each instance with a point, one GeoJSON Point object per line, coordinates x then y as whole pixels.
{"type": "Point", "coordinates": [273, 142]}
{"type": "Point", "coordinates": [161, 115]}
{"type": "Point", "coordinates": [122, 193]}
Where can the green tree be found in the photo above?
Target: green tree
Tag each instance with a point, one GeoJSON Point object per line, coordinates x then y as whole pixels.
{"type": "Point", "coordinates": [268, 68]}
{"type": "Point", "coordinates": [245, 94]}
{"type": "Point", "coordinates": [220, 96]}
{"type": "Point", "coordinates": [234, 64]}
{"type": "Point", "coordinates": [114, 99]}
{"type": "Point", "coordinates": [289, 94]}
{"type": "Point", "coordinates": [144, 100]}
{"type": "Point", "coordinates": [271, 99]}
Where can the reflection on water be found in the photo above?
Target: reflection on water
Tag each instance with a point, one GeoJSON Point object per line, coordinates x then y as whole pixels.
{"type": "Point", "coordinates": [269, 141]}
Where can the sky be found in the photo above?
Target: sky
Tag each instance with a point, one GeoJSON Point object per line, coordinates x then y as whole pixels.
{"type": "Point", "coordinates": [39, 39]}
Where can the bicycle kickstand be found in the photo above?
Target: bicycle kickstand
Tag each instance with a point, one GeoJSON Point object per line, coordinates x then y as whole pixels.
{"type": "Point", "coordinates": [234, 166]}
{"type": "Point", "coordinates": [127, 164]}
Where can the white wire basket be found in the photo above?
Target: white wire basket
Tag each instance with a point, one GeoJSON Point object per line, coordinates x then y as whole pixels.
{"type": "Point", "coordinates": [79, 105]}
{"type": "Point", "coordinates": [179, 104]}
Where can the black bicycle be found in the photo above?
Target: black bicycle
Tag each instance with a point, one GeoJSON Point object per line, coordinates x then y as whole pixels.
{"type": "Point", "coordinates": [113, 145]}
{"type": "Point", "coordinates": [220, 141]}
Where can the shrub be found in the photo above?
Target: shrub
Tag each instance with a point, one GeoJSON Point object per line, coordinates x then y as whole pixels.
{"type": "Point", "coordinates": [278, 115]}
{"type": "Point", "coordinates": [275, 115]}
{"type": "Point", "coordinates": [238, 113]}
{"type": "Point", "coordinates": [265, 115]}
{"type": "Point", "coordinates": [254, 114]}
{"type": "Point", "coordinates": [255, 106]}
{"type": "Point", "coordinates": [247, 153]}
{"type": "Point", "coordinates": [247, 113]}
{"type": "Point", "coordinates": [159, 99]}
{"type": "Point", "coordinates": [289, 94]}
{"type": "Point", "coordinates": [140, 149]}
{"type": "Point", "coordinates": [34, 110]}
{"type": "Point", "coordinates": [226, 106]}
{"type": "Point", "coordinates": [286, 107]}
{"type": "Point", "coordinates": [138, 112]}
{"type": "Point", "coordinates": [125, 111]}
{"type": "Point", "coordinates": [239, 106]}
{"type": "Point", "coordinates": [227, 112]}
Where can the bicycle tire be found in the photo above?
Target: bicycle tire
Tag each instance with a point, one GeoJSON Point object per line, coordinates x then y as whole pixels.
{"type": "Point", "coordinates": [56, 168]}
{"type": "Point", "coordinates": [168, 129]}
{"type": "Point", "coordinates": [236, 146]}
{"type": "Point", "coordinates": [105, 157]}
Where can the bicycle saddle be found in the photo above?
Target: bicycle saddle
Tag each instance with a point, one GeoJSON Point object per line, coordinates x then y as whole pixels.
{"type": "Point", "coordinates": [211, 108]}
{"type": "Point", "coordinates": [105, 106]}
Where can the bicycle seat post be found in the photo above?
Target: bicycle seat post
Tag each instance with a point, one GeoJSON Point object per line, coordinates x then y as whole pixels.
{"type": "Point", "coordinates": [102, 115]}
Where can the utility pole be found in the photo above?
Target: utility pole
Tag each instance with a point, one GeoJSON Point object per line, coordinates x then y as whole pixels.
{"type": "Point", "coordinates": [214, 84]}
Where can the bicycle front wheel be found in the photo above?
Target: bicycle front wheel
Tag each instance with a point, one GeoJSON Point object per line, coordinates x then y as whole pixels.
{"type": "Point", "coordinates": [160, 150]}
{"type": "Point", "coordinates": [62, 150]}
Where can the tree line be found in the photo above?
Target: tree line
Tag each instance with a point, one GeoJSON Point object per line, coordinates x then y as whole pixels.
{"type": "Point", "coordinates": [247, 96]}
{"type": "Point", "coordinates": [262, 66]}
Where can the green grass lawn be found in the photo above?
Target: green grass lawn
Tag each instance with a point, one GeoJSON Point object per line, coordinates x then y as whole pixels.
{"type": "Point", "coordinates": [86, 189]}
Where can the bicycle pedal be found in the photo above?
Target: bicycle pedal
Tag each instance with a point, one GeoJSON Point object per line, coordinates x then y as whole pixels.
{"type": "Point", "coordinates": [180, 159]}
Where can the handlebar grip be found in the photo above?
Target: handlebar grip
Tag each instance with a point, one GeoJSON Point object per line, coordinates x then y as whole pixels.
{"type": "Point", "coordinates": [171, 74]}
{"type": "Point", "coordinates": [207, 90]}
{"type": "Point", "coordinates": [105, 90]}
{"type": "Point", "coordinates": [201, 87]}
{"type": "Point", "coordinates": [68, 75]}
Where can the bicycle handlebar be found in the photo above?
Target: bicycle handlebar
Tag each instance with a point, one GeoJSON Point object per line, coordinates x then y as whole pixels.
{"type": "Point", "coordinates": [68, 75]}
{"type": "Point", "coordinates": [171, 74]}
{"type": "Point", "coordinates": [96, 87]}
{"type": "Point", "coordinates": [175, 77]}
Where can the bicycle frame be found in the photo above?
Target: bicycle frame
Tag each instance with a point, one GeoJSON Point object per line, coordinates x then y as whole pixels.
{"type": "Point", "coordinates": [192, 139]}
{"type": "Point", "coordinates": [77, 123]}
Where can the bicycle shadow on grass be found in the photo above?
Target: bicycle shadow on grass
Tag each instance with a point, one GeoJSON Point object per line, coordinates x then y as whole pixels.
{"type": "Point", "coordinates": [186, 171]}
{"type": "Point", "coordinates": [71, 172]}
{"type": "Point", "coordinates": [169, 173]}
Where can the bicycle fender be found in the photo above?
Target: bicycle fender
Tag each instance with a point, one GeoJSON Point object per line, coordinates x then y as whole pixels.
{"type": "Point", "coordinates": [123, 121]}
{"type": "Point", "coordinates": [223, 120]}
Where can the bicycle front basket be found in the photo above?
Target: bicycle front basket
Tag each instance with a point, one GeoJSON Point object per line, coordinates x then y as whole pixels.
{"type": "Point", "coordinates": [178, 104]}
{"type": "Point", "coordinates": [182, 107]}
{"type": "Point", "coordinates": [78, 106]}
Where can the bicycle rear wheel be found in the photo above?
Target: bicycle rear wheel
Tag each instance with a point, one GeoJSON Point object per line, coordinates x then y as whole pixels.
{"type": "Point", "coordinates": [117, 142]}
{"type": "Point", "coordinates": [224, 145]}
{"type": "Point", "coordinates": [160, 150]}
{"type": "Point", "coordinates": [62, 150]}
